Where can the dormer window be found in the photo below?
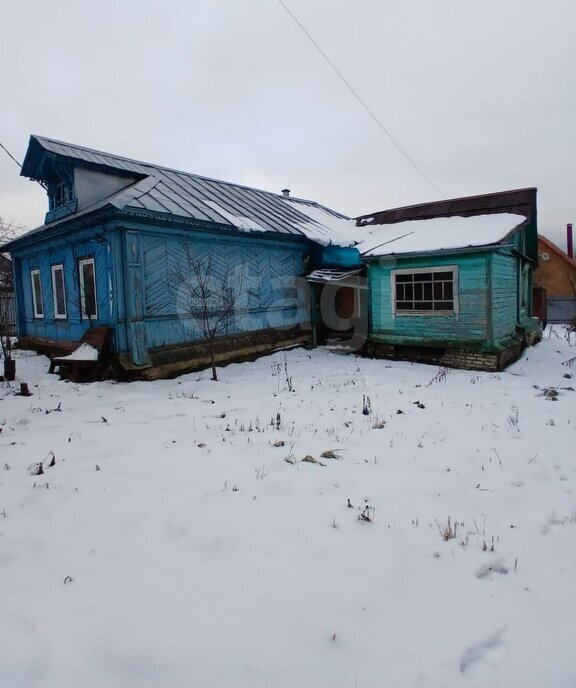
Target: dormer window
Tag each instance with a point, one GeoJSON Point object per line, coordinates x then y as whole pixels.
{"type": "Point", "coordinates": [60, 195]}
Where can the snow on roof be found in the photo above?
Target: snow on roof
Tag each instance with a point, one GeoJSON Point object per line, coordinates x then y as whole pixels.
{"type": "Point", "coordinates": [244, 223]}
{"type": "Point", "coordinates": [325, 226]}
{"type": "Point", "coordinates": [436, 234]}
{"type": "Point", "coordinates": [173, 192]}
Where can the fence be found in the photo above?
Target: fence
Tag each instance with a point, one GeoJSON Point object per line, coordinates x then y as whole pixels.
{"type": "Point", "coordinates": [7, 313]}
{"type": "Point", "coordinates": [561, 310]}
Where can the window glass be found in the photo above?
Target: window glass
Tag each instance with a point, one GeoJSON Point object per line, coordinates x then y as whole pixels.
{"type": "Point", "coordinates": [58, 291]}
{"type": "Point", "coordinates": [88, 288]}
{"type": "Point", "coordinates": [37, 294]}
{"type": "Point", "coordinates": [424, 291]}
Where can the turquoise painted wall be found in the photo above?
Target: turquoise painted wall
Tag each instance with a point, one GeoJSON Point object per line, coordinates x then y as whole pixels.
{"type": "Point", "coordinates": [504, 272]}
{"type": "Point", "coordinates": [470, 324]}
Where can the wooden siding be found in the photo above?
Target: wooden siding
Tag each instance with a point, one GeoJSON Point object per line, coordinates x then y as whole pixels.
{"type": "Point", "coordinates": [470, 324]}
{"type": "Point", "coordinates": [504, 277]}
{"type": "Point", "coordinates": [336, 257]}
{"type": "Point", "coordinates": [265, 269]}
{"type": "Point", "coordinates": [43, 256]}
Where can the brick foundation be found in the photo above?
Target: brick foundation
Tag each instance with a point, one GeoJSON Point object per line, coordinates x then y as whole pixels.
{"type": "Point", "coordinates": [468, 359]}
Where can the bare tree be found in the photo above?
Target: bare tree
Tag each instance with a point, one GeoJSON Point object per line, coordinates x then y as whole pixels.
{"type": "Point", "coordinates": [208, 291]}
{"type": "Point", "coordinates": [7, 232]}
{"type": "Point", "coordinates": [5, 331]}
{"type": "Point", "coordinates": [7, 323]}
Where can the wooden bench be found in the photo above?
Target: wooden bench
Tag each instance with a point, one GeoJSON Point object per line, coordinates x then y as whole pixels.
{"type": "Point", "coordinates": [87, 359]}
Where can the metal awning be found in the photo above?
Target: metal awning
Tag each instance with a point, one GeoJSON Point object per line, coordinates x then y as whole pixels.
{"type": "Point", "coordinates": [331, 275]}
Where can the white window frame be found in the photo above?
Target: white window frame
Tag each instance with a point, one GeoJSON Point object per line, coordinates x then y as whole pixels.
{"type": "Point", "coordinates": [33, 273]}
{"type": "Point", "coordinates": [81, 263]}
{"type": "Point", "coordinates": [414, 271]}
{"type": "Point", "coordinates": [54, 269]}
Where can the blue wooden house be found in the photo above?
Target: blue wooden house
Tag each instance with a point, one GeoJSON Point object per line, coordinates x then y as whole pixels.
{"type": "Point", "coordinates": [113, 242]}
{"type": "Point", "coordinates": [450, 282]}
{"type": "Point", "coordinates": [446, 282]}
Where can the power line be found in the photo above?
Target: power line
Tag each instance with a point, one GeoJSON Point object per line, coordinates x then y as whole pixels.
{"type": "Point", "coordinates": [9, 154]}
{"type": "Point", "coordinates": [359, 99]}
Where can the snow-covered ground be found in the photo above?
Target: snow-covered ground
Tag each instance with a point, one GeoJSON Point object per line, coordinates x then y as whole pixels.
{"type": "Point", "coordinates": [173, 546]}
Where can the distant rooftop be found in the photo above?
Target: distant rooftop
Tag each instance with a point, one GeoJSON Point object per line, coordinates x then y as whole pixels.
{"type": "Point", "coordinates": [516, 201]}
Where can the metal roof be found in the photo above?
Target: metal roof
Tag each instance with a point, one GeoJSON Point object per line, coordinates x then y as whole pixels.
{"type": "Point", "coordinates": [173, 192]}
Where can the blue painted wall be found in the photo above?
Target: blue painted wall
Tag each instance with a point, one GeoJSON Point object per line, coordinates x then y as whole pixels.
{"type": "Point", "coordinates": [97, 244]}
{"type": "Point", "coordinates": [136, 268]}
{"type": "Point", "coordinates": [263, 270]}
{"type": "Point", "coordinates": [336, 257]}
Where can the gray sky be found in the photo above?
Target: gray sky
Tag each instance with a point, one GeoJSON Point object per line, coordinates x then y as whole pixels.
{"type": "Point", "coordinates": [481, 94]}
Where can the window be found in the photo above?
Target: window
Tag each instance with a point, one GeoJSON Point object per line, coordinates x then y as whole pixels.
{"type": "Point", "coordinates": [37, 294]}
{"type": "Point", "coordinates": [88, 289]}
{"type": "Point", "coordinates": [60, 194]}
{"type": "Point", "coordinates": [525, 288]}
{"type": "Point", "coordinates": [58, 292]}
{"type": "Point", "coordinates": [425, 292]}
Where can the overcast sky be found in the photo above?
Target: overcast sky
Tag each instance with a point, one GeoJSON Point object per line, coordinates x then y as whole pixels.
{"type": "Point", "coordinates": [482, 95]}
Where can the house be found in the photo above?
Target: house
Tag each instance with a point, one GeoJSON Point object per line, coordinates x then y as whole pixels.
{"type": "Point", "coordinates": [450, 282]}
{"type": "Point", "coordinates": [113, 247]}
{"type": "Point", "coordinates": [555, 280]}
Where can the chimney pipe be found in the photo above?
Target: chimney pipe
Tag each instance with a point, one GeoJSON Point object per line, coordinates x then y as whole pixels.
{"type": "Point", "coordinates": [286, 192]}
{"type": "Point", "coordinates": [569, 241]}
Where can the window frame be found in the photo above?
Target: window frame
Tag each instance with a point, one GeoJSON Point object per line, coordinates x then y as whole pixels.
{"type": "Point", "coordinates": [60, 194]}
{"type": "Point", "coordinates": [38, 315]}
{"type": "Point", "coordinates": [81, 286]}
{"type": "Point", "coordinates": [419, 271]}
{"type": "Point", "coordinates": [524, 288]}
{"type": "Point", "coordinates": [54, 268]}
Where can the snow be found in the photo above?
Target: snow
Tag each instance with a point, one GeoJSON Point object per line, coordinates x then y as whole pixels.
{"type": "Point", "coordinates": [405, 237]}
{"type": "Point", "coordinates": [324, 227]}
{"type": "Point", "coordinates": [245, 223]}
{"type": "Point", "coordinates": [85, 352]}
{"type": "Point", "coordinates": [436, 234]}
{"type": "Point", "coordinates": [173, 545]}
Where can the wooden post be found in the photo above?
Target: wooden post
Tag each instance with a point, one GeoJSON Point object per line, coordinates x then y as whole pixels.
{"type": "Point", "coordinates": [313, 315]}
